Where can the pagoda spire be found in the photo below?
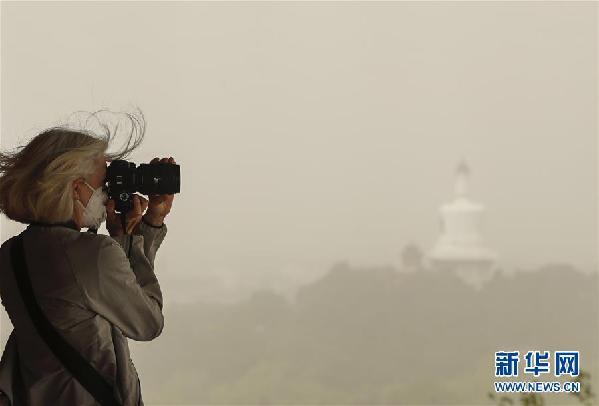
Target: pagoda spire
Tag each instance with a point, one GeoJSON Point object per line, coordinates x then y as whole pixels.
{"type": "Point", "coordinates": [462, 181]}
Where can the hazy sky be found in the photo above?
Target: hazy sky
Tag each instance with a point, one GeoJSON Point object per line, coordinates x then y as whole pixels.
{"type": "Point", "coordinates": [315, 132]}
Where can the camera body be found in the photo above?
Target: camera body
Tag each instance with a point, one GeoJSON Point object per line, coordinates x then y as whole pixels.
{"type": "Point", "coordinates": [124, 178]}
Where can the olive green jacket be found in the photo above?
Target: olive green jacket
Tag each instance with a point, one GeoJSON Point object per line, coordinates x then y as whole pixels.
{"type": "Point", "coordinates": [95, 296]}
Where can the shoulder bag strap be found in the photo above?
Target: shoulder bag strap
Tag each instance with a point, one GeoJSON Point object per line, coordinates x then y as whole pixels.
{"type": "Point", "coordinates": [80, 368]}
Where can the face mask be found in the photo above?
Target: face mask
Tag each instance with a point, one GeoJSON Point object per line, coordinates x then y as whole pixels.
{"type": "Point", "coordinates": [95, 211]}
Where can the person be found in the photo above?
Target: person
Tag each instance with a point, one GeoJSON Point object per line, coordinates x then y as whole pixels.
{"type": "Point", "coordinates": [92, 293]}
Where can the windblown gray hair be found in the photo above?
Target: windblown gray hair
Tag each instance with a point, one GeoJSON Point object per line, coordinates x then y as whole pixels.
{"type": "Point", "coordinates": [35, 179]}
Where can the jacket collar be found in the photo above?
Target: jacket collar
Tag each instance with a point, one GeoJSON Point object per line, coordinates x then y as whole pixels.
{"type": "Point", "coordinates": [69, 224]}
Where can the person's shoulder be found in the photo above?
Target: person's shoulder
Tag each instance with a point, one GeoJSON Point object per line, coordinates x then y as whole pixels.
{"type": "Point", "coordinates": [85, 238]}
{"type": "Point", "coordinates": [5, 246]}
{"type": "Point", "coordinates": [90, 247]}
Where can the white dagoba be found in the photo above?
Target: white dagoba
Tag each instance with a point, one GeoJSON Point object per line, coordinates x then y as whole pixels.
{"type": "Point", "coordinates": [460, 247]}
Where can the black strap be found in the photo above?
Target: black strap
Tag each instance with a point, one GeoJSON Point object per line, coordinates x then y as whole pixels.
{"type": "Point", "coordinates": [87, 376]}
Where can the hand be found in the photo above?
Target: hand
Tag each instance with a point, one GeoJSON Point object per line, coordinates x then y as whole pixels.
{"type": "Point", "coordinates": [114, 223]}
{"type": "Point", "coordinates": [159, 205]}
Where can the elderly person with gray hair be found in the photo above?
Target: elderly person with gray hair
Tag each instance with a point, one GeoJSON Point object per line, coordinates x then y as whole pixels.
{"type": "Point", "coordinates": [92, 293]}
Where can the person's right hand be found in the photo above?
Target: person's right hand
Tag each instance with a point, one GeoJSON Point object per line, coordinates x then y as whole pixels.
{"type": "Point", "coordinates": [114, 223]}
{"type": "Point", "coordinates": [159, 205]}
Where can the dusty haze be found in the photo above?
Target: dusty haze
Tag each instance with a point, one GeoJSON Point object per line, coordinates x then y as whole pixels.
{"type": "Point", "coordinates": [311, 134]}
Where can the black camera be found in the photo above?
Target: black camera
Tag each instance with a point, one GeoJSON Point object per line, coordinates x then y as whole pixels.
{"type": "Point", "coordinates": [123, 179]}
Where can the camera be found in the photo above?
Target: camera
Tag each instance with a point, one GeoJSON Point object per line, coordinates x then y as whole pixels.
{"type": "Point", "coordinates": [124, 178]}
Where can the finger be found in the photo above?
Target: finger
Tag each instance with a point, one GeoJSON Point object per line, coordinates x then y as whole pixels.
{"type": "Point", "coordinates": [164, 160]}
{"type": "Point", "coordinates": [171, 160]}
{"type": "Point", "coordinates": [144, 203]}
{"type": "Point", "coordinates": [132, 213]}
{"type": "Point", "coordinates": [136, 205]}
{"type": "Point", "coordinates": [110, 208]}
{"type": "Point", "coordinates": [155, 198]}
{"type": "Point", "coordinates": [154, 160]}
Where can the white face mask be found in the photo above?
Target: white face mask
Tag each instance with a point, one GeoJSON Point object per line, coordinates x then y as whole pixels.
{"type": "Point", "coordinates": [95, 211]}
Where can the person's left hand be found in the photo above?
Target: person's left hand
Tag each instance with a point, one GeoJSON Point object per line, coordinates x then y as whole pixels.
{"type": "Point", "coordinates": [159, 206]}
{"type": "Point", "coordinates": [114, 223]}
